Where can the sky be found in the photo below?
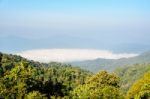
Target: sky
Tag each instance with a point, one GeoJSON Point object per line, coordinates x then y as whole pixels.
{"type": "Point", "coordinates": [114, 26]}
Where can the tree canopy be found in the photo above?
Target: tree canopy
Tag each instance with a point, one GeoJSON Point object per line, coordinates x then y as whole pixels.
{"type": "Point", "coordinates": [141, 88]}
{"type": "Point", "coordinates": [100, 86]}
{"type": "Point", "coordinates": [25, 79]}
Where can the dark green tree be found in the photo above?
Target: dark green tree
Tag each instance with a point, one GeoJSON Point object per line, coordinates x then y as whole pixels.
{"type": "Point", "coordinates": [1, 69]}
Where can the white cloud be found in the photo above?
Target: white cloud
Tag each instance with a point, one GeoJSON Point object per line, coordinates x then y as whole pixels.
{"type": "Point", "coordinates": [67, 55]}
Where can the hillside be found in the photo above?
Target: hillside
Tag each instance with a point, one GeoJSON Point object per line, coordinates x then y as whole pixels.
{"type": "Point", "coordinates": [25, 79]}
{"type": "Point", "coordinates": [20, 77]}
{"type": "Point", "coordinates": [112, 64]}
{"type": "Point", "coordinates": [129, 74]}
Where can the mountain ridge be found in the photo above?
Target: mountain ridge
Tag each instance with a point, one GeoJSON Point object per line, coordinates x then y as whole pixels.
{"type": "Point", "coordinates": [112, 64]}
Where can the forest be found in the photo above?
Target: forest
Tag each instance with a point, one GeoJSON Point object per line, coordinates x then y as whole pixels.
{"type": "Point", "coordinates": [26, 79]}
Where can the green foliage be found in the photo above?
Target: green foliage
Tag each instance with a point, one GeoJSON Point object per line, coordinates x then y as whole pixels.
{"type": "Point", "coordinates": [99, 86]}
{"type": "Point", "coordinates": [129, 74]}
{"type": "Point", "coordinates": [1, 69]}
{"type": "Point", "coordinates": [24, 79]}
{"type": "Point", "coordinates": [103, 78]}
{"type": "Point", "coordinates": [27, 79]}
{"type": "Point", "coordinates": [141, 88]}
{"type": "Point", "coordinates": [35, 95]}
{"type": "Point", "coordinates": [14, 84]}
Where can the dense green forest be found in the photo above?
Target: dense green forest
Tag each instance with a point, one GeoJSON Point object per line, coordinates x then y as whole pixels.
{"type": "Point", "coordinates": [25, 79]}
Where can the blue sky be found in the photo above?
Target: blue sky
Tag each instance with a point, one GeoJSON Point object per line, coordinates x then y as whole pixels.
{"type": "Point", "coordinates": [115, 25]}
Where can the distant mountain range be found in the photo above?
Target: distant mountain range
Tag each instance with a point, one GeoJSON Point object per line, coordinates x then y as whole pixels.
{"type": "Point", "coordinates": [15, 44]}
{"type": "Point", "coordinates": [111, 64]}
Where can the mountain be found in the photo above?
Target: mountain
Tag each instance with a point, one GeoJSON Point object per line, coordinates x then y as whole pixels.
{"type": "Point", "coordinates": [17, 43]}
{"type": "Point", "coordinates": [112, 64]}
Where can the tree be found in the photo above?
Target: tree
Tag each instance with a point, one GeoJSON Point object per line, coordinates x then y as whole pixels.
{"type": "Point", "coordinates": [1, 69]}
{"type": "Point", "coordinates": [14, 84]}
{"type": "Point", "coordinates": [141, 88]}
{"type": "Point", "coordinates": [35, 95]}
{"type": "Point", "coordinates": [99, 86]}
{"type": "Point", "coordinates": [1, 55]}
{"type": "Point", "coordinates": [131, 73]}
{"type": "Point", "coordinates": [27, 79]}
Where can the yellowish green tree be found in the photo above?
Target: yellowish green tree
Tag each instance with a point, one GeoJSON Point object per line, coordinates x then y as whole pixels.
{"type": "Point", "coordinates": [35, 95]}
{"type": "Point", "coordinates": [14, 84]}
{"type": "Point", "coordinates": [100, 86]}
{"type": "Point", "coordinates": [140, 89]}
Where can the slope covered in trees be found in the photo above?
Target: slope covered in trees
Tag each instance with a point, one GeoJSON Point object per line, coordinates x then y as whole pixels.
{"type": "Point", "coordinates": [24, 79]}
{"type": "Point", "coordinates": [112, 64]}
{"type": "Point", "coordinates": [141, 88]}
{"type": "Point", "coordinates": [21, 78]}
{"type": "Point", "coordinates": [129, 74]}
